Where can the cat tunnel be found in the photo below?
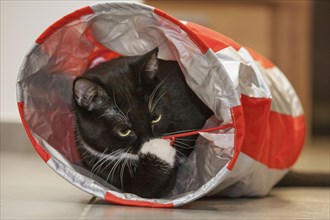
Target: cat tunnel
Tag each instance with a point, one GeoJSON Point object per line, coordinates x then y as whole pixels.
{"type": "Point", "coordinates": [258, 116]}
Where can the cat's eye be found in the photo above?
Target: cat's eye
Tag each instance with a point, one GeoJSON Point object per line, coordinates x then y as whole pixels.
{"type": "Point", "coordinates": [156, 119]}
{"type": "Point", "coordinates": [124, 133]}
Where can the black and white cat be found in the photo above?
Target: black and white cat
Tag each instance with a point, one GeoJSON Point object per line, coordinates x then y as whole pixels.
{"type": "Point", "coordinates": [122, 108]}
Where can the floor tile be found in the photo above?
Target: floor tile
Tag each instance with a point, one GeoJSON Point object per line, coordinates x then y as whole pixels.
{"type": "Point", "coordinates": [31, 190]}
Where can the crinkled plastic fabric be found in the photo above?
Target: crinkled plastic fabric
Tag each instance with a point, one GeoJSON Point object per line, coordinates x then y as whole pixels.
{"type": "Point", "coordinates": [242, 88]}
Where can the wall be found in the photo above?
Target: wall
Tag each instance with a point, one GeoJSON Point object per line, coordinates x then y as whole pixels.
{"type": "Point", "coordinates": [321, 69]}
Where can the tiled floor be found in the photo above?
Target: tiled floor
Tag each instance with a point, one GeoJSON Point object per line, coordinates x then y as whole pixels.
{"type": "Point", "coordinates": [31, 190]}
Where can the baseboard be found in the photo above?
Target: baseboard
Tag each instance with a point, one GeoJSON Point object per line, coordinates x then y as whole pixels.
{"type": "Point", "coordinates": [14, 138]}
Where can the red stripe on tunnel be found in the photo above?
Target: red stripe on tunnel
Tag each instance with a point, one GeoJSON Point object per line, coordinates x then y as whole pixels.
{"type": "Point", "coordinates": [43, 154]}
{"type": "Point", "coordinates": [63, 21]}
{"type": "Point", "coordinates": [217, 42]}
{"type": "Point", "coordinates": [239, 125]}
{"type": "Point", "coordinates": [109, 197]}
{"type": "Point", "coordinates": [213, 39]}
{"type": "Point", "coordinates": [272, 138]}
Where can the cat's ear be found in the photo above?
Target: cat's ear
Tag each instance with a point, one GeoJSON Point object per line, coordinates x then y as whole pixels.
{"type": "Point", "coordinates": [149, 66]}
{"type": "Point", "coordinates": [89, 95]}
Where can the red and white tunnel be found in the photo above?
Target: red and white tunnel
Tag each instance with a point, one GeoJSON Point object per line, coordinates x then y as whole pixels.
{"type": "Point", "coordinates": [254, 137]}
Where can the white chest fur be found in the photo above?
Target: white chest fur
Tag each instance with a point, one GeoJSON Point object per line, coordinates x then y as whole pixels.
{"type": "Point", "coordinates": [160, 148]}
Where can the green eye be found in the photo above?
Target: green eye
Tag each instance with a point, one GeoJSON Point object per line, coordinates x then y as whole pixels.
{"type": "Point", "coordinates": [156, 119]}
{"type": "Point", "coordinates": [124, 133]}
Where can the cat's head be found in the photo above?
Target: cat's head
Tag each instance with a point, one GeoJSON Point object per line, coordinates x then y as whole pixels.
{"type": "Point", "coordinates": [122, 103]}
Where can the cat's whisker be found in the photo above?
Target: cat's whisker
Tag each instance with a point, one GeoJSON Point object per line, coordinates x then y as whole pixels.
{"type": "Point", "coordinates": [181, 146]}
{"type": "Point", "coordinates": [153, 94]}
{"type": "Point", "coordinates": [99, 161]}
{"type": "Point", "coordinates": [130, 163]}
{"type": "Point", "coordinates": [185, 139]}
{"type": "Point", "coordinates": [106, 166]}
{"type": "Point", "coordinates": [104, 114]}
{"type": "Point", "coordinates": [97, 169]}
{"type": "Point", "coordinates": [159, 98]}
{"type": "Point", "coordinates": [122, 170]}
{"type": "Point", "coordinates": [130, 167]}
{"type": "Point", "coordinates": [87, 156]}
{"type": "Point", "coordinates": [184, 144]}
{"type": "Point", "coordinates": [118, 151]}
{"type": "Point", "coordinates": [182, 155]}
{"type": "Point", "coordinates": [110, 113]}
{"type": "Point", "coordinates": [113, 170]}
{"type": "Point", "coordinates": [178, 132]}
{"type": "Point", "coordinates": [104, 158]}
{"type": "Point", "coordinates": [121, 112]}
{"type": "Point", "coordinates": [151, 98]}
{"type": "Point", "coordinates": [116, 165]}
{"type": "Point", "coordinates": [128, 112]}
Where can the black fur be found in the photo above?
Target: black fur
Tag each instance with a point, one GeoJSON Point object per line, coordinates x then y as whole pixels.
{"type": "Point", "coordinates": [114, 96]}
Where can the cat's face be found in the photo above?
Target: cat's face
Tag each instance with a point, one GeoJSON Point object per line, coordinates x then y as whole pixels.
{"type": "Point", "coordinates": [122, 104]}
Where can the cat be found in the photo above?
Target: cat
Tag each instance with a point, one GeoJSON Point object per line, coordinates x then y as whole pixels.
{"type": "Point", "coordinates": [122, 109]}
